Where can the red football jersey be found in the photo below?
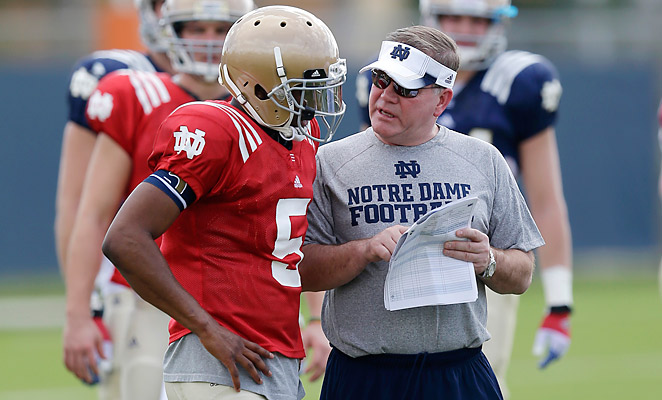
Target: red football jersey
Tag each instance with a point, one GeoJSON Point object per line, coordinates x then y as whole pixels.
{"type": "Point", "coordinates": [129, 106]}
{"type": "Point", "coordinates": [237, 247]}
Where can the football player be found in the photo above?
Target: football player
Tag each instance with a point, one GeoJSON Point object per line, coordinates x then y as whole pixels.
{"type": "Point", "coordinates": [78, 138]}
{"type": "Point", "coordinates": [229, 194]}
{"type": "Point", "coordinates": [125, 111]}
{"type": "Point", "coordinates": [510, 99]}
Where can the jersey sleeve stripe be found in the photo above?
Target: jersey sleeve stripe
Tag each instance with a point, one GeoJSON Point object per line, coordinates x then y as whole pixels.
{"type": "Point", "coordinates": [499, 78]}
{"type": "Point", "coordinates": [159, 86]}
{"type": "Point", "coordinates": [243, 133]}
{"type": "Point", "coordinates": [148, 87]}
{"type": "Point", "coordinates": [141, 94]}
{"type": "Point", "coordinates": [150, 90]}
{"type": "Point", "coordinates": [133, 59]}
{"type": "Point", "coordinates": [242, 140]}
{"type": "Point", "coordinates": [247, 125]}
{"type": "Point", "coordinates": [244, 128]}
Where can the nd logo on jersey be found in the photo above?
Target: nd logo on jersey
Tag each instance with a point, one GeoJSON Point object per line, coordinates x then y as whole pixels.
{"type": "Point", "coordinates": [190, 142]}
{"type": "Point", "coordinates": [100, 106]}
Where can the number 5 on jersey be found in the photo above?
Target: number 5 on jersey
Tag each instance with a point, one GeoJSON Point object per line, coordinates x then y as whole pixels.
{"type": "Point", "coordinates": [285, 244]}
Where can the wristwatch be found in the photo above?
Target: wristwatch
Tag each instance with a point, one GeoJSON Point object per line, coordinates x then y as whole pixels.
{"type": "Point", "coordinates": [489, 271]}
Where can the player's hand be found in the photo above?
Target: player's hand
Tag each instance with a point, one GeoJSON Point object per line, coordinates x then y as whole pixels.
{"type": "Point", "coordinates": [553, 336]}
{"type": "Point", "coordinates": [232, 349]}
{"type": "Point", "coordinates": [82, 341]}
{"type": "Point", "coordinates": [476, 249]}
{"type": "Point", "coordinates": [381, 246]}
{"type": "Point", "coordinates": [314, 338]}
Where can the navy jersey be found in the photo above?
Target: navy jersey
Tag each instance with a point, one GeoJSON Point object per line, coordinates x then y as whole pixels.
{"type": "Point", "coordinates": [509, 102]}
{"type": "Point", "coordinates": [89, 70]}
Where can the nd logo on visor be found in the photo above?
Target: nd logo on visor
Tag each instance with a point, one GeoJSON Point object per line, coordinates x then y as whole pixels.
{"type": "Point", "coordinates": [400, 52]}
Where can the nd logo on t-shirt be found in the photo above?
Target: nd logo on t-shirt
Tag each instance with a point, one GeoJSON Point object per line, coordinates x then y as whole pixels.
{"type": "Point", "coordinates": [401, 203]}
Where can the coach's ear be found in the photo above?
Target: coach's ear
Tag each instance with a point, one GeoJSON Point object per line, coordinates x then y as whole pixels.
{"type": "Point", "coordinates": [445, 96]}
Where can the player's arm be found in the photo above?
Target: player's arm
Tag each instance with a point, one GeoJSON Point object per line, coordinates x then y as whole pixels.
{"type": "Point", "coordinates": [106, 180]}
{"type": "Point", "coordinates": [313, 336]}
{"type": "Point", "coordinates": [77, 145]}
{"type": "Point", "coordinates": [541, 174]}
{"type": "Point", "coordinates": [325, 267]}
{"type": "Point", "coordinates": [129, 244]}
{"type": "Point", "coordinates": [514, 267]}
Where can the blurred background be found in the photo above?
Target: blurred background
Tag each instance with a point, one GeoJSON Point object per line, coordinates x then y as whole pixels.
{"type": "Point", "coordinates": [608, 53]}
{"type": "Point", "coordinates": [609, 57]}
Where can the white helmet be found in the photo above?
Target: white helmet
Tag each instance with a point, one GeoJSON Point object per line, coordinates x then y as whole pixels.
{"type": "Point", "coordinates": [150, 31]}
{"type": "Point", "coordinates": [282, 64]}
{"type": "Point", "coordinates": [487, 46]}
{"type": "Point", "coordinates": [182, 51]}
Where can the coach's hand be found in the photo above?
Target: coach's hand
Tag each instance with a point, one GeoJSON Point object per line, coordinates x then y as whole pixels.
{"type": "Point", "coordinates": [231, 349]}
{"type": "Point", "coordinates": [82, 341]}
{"type": "Point", "coordinates": [472, 246]}
{"type": "Point", "coordinates": [381, 246]}
{"type": "Point", "coordinates": [553, 336]}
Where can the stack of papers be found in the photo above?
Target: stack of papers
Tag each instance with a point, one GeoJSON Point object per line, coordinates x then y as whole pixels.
{"type": "Point", "coordinates": [419, 274]}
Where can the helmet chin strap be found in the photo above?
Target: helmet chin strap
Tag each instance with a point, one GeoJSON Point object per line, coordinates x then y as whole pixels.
{"type": "Point", "coordinates": [286, 131]}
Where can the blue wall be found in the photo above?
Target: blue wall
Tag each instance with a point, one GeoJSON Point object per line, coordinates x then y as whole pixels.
{"type": "Point", "coordinates": [606, 134]}
{"type": "Point", "coordinates": [33, 111]}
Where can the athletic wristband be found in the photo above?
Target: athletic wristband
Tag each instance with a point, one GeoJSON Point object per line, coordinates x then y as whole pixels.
{"type": "Point", "coordinates": [560, 310]}
{"type": "Point", "coordinates": [313, 319]}
{"type": "Point", "coordinates": [557, 285]}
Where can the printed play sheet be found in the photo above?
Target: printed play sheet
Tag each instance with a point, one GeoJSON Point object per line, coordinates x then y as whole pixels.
{"type": "Point", "coordinates": [419, 274]}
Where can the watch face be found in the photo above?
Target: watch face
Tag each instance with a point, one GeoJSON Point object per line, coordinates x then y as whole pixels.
{"type": "Point", "coordinates": [489, 271]}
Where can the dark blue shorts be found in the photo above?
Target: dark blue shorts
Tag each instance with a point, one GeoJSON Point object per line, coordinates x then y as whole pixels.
{"type": "Point", "coordinates": [460, 374]}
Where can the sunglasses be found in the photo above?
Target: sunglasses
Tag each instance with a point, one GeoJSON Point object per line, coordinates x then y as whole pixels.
{"type": "Point", "coordinates": [382, 80]}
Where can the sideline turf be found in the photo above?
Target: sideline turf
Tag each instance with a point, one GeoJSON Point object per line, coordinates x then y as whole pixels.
{"type": "Point", "coordinates": [615, 354]}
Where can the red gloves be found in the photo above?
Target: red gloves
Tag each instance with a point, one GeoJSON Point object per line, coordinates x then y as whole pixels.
{"type": "Point", "coordinates": [553, 335]}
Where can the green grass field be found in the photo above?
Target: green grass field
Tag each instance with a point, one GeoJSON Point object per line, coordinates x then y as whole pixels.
{"type": "Point", "coordinates": [616, 351]}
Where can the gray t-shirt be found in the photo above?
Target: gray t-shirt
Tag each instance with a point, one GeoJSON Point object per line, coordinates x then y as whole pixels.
{"type": "Point", "coordinates": [187, 360]}
{"type": "Point", "coordinates": [364, 186]}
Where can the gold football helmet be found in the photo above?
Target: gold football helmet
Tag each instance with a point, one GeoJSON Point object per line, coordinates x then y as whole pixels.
{"type": "Point", "coordinates": [150, 31]}
{"type": "Point", "coordinates": [282, 64]}
{"type": "Point", "coordinates": [486, 47]}
{"type": "Point", "coordinates": [182, 51]}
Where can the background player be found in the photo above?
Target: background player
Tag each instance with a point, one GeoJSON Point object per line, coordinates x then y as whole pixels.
{"type": "Point", "coordinates": [78, 139]}
{"type": "Point", "coordinates": [510, 99]}
{"type": "Point", "coordinates": [126, 110]}
{"type": "Point", "coordinates": [229, 192]}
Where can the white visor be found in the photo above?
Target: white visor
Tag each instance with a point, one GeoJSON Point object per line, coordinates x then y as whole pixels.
{"type": "Point", "coordinates": [410, 67]}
